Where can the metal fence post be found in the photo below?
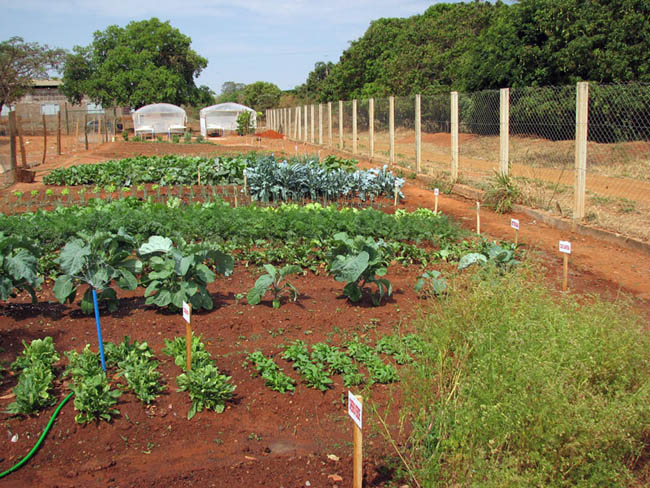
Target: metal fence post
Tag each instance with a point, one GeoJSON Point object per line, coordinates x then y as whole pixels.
{"type": "Point", "coordinates": [582, 129]}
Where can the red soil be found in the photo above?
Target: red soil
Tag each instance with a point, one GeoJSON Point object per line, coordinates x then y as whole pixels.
{"type": "Point", "coordinates": [270, 134]}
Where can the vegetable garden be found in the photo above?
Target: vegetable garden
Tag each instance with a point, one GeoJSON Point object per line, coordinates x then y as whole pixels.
{"type": "Point", "coordinates": [303, 286]}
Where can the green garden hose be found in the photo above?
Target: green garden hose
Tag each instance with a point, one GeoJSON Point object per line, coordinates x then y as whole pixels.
{"type": "Point", "coordinates": [40, 440]}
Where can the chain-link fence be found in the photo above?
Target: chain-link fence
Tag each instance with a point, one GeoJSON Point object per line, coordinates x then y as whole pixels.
{"type": "Point", "coordinates": [530, 133]}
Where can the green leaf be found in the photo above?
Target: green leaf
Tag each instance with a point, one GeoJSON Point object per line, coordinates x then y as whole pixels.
{"type": "Point", "coordinates": [471, 258]}
{"type": "Point", "coordinates": [254, 296]}
{"type": "Point", "coordinates": [350, 268]}
{"type": "Point", "coordinates": [73, 256]}
{"type": "Point", "coordinates": [64, 288]}
{"type": "Point", "coordinates": [352, 291]}
{"type": "Point", "coordinates": [156, 244]}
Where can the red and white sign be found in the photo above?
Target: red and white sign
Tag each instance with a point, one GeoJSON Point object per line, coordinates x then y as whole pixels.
{"type": "Point", "coordinates": [436, 191]}
{"type": "Point", "coordinates": [187, 312]}
{"type": "Point", "coordinates": [565, 247]}
{"type": "Point", "coordinates": [514, 223]}
{"type": "Point", "coordinates": [355, 409]}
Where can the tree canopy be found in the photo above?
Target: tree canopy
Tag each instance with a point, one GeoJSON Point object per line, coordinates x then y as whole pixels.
{"type": "Point", "coordinates": [145, 62]}
{"type": "Point", "coordinates": [20, 63]}
{"type": "Point", "coordinates": [484, 45]}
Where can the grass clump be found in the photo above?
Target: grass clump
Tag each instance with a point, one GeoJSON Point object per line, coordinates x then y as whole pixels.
{"type": "Point", "coordinates": [518, 388]}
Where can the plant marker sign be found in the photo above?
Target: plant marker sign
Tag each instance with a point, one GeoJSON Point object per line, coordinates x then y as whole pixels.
{"type": "Point", "coordinates": [187, 316]}
{"type": "Point", "coordinates": [565, 249]}
{"type": "Point", "coordinates": [514, 223]}
{"type": "Point", "coordinates": [436, 192]}
{"type": "Point", "coordinates": [355, 410]}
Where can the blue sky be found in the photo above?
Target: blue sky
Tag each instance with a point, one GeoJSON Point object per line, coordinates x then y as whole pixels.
{"type": "Point", "coordinates": [244, 41]}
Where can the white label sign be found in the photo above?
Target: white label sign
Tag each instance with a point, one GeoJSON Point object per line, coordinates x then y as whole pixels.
{"type": "Point", "coordinates": [436, 192]}
{"type": "Point", "coordinates": [187, 311]}
{"type": "Point", "coordinates": [565, 247]}
{"type": "Point", "coordinates": [355, 409]}
{"type": "Point", "coordinates": [514, 223]}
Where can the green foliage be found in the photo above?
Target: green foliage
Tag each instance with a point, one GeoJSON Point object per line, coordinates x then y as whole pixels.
{"type": "Point", "coordinates": [18, 267]}
{"type": "Point", "coordinates": [187, 137]}
{"type": "Point", "coordinates": [179, 274]}
{"type": "Point", "coordinates": [97, 260]}
{"type": "Point", "coordinates": [93, 398]}
{"type": "Point", "coordinates": [261, 95]}
{"type": "Point", "coordinates": [502, 256]}
{"type": "Point", "coordinates": [332, 163]}
{"type": "Point", "coordinates": [178, 350]}
{"type": "Point", "coordinates": [145, 62]}
{"type": "Point", "coordinates": [85, 363]}
{"type": "Point", "coordinates": [502, 193]}
{"type": "Point", "coordinates": [33, 391]}
{"type": "Point", "coordinates": [338, 362]}
{"type": "Point", "coordinates": [22, 62]}
{"type": "Point", "coordinates": [314, 373]}
{"type": "Point", "coordinates": [245, 123]}
{"type": "Point", "coordinates": [125, 135]}
{"type": "Point", "coordinates": [38, 351]}
{"type": "Point", "coordinates": [273, 377]}
{"type": "Point", "coordinates": [519, 387]}
{"type": "Point", "coordinates": [380, 372]}
{"type": "Point", "coordinates": [430, 283]}
{"type": "Point", "coordinates": [273, 281]}
{"type": "Point", "coordinates": [176, 139]}
{"type": "Point", "coordinates": [359, 261]}
{"type": "Point", "coordinates": [208, 389]}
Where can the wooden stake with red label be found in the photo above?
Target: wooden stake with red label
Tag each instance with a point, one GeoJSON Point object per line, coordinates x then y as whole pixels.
{"type": "Point", "coordinates": [187, 315]}
{"type": "Point", "coordinates": [355, 411]}
{"type": "Point", "coordinates": [436, 192]}
{"type": "Point", "coordinates": [478, 218]}
{"type": "Point", "coordinates": [514, 223]}
{"type": "Point", "coordinates": [565, 248]}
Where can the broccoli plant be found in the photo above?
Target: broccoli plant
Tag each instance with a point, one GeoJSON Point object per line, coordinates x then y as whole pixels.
{"type": "Point", "coordinates": [18, 267]}
{"type": "Point", "coordinates": [273, 281]}
{"type": "Point", "coordinates": [179, 274]}
{"type": "Point", "coordinates": [360, 261]}
{"type": "Point", "coordinates": [97, 260]}
{"type": "Point", "coordinates": [430, 283]}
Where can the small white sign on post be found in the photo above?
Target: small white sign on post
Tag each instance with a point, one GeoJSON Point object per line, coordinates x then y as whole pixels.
{"type": "Point", "coordinates": [514, 223]}
{"type": "Point", "coordinates": [436, 191]}
{"type": "Point", "coordinates": [187, 312]}
{"type": "Point", "coordinates": [355, 409]}
{"type": "Point", "coordinates": [565, 247]}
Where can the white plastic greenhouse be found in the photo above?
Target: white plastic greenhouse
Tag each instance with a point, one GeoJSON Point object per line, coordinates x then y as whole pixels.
{"type": "Point", "coordinates": [159, 118]}
{"type": "Point", "coordinates": [222, 117]}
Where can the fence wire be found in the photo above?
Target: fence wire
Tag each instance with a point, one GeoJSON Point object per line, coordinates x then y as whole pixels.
{"type": "Point", "coordinates": [436, 135]}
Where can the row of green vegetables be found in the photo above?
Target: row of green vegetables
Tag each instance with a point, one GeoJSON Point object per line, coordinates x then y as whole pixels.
{"type": "Point", "coordinates": [172, 273]}
{"type": "Point", "coordinates": [132, 366]}
{"type": "Point", "coordinates": [268, 178]}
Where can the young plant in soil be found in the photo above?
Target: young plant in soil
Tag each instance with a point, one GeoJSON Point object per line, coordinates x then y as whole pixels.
{"type": "Point", "coordinates": [315, 374]}
{"type": "Point", "coordinates": [273, 377]}
{"type": "Point", "coordinates": [97, 260]}
{"type": "Point", "coordinates": [273, 281]}
{"type": "Point", "coordinates": [18, 267]}
{"type": "Point", "coordinates": [358, 261]}
{"type": "Point", "coordinates": [380, 372]}
{"type": "Point", "coordinates": [179, 274]}
{"type": "Point", "coordinates": [431, 284]}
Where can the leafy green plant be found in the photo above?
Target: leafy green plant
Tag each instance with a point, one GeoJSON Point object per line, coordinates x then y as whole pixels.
{"type": "Point", "coordinates": [502, 193]}
{"type": "Point", "coordinates": [39, 350]}
{"type": "Point", "coordinates": [33, 391]}
{"type": "Point", "coordinates": [273, 281]}
{"type": "Point", "coordinates": [380, 372]}
{"type": "Point", "coordinates": [178, 350]}
{"type": "Point", "coordinates": [97, 260]}
{"type": "Point", "coordinates": [314, 374]}
{"type": "Point", "coordinates": [94, 398]}
{"type": "Point", "coordinates": [273, 377]}
{"type": "Point", "coordinates": [245, 123]}
{"type": "Point", "coordinates": [136, 364]}
{"type": "Point", "coordinates": [18, 267]}
{"type": "Point", "coordinates": [357, 262]}
{"type": "Point", "coordinates": [176, 139]}
{"type": "Point", "coordinates": [430, 283]}
{"type": "Point", "coordinates": [207, 387]}
{"type": "Point", "coordinates": [179, 274]}
{"type": "Point", "coordinates": [502, 256]}
{"type": "Point", "coordinates": [338, 362]}
{"type": "Point", "coordinates": [187, 137]}
{"type": "Point", "coordinates": [125, 135]}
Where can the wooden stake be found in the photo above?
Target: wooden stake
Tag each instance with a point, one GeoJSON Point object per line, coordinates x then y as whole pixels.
{"type": "Point", "coordinates": [23, 154]}
{"type": "Point", "coordinates": [246, 181]}
{"type": "Point", "coordinates": [234, 190]}
{"type": "Point", "coordinates": [86, 130]}
{"type": "Point", "coordinates": [357, 460]}
{"type": "Point", "coordinates": [478, 218]}
{"type": "Point", "coordinates": [58, 132]}
{"type": "Point", "coordinates": [67, 121]}
{"type": "Point", "coordinates": [188, 342]}
{"type": "Point", "coordinates": [436, 191]}
{"type": "Point", "coordinates": [12, 143]}
{"type": "Point", "coordinates": [396, 194]}
{"type": "Point", "coordinates": [565, 279]}
{"type": "Point", "coordinates": [199, 176]}
{"type": "Point", "coordinates": [44, 139]}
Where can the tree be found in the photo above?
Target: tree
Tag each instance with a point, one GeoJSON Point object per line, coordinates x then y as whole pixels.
{"type": "Point", "coordinates": [261, 95]}
{"type": "Point", "coordinates": [204, 96]}
{"type": "Point", "coordinates": [145, 62]}
{"type": "Point", "coordinates": [20, 63]}
{"type": "Point", "coordinates": [231, 92]}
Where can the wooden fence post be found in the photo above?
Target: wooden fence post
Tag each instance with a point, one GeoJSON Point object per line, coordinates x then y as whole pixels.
{"type": "Point", "coordinates": [329, 124]}
{"type": "Point", "coordinates": [306, 134]}
{"type": "Point", "coordinates": [371, 127]}
{"type": "Point", "coordinates": [12, 144]}
{"type": "Point", "coordinates": [454, 136]}
{"type": "Point", "coordinates": [418, 134]}
{"type": "Point", "coordinates": [504, 129]}
{"type": "Point", "coordinates": [85, 129]}
{"type": "Point", "coordinates": [299, 122]}
{"type": "Point", "coordinates": [58, 132]}
{"type": "Point", "coordinates": [320, 124]}
{"type": "Point", "coordinates": [313, 123]}
{"type": "Point", "coordinates": [354, 126]}
{"type": "Point", "coordinates": [23, 154]}
{"type": "Point", "coordinates": [582, 121]}
{"type": "Point", "coordinates": [44, 139]}
{"type": "Point", "coordinates": [67, 121]}
{"type": "Point", "coordinates": [340, 124]}
{"type": "Point", "coordinates": [391, 128]}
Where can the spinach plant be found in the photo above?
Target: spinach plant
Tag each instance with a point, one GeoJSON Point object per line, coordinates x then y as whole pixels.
{"type": "Point", "coordinates": [33, 391]}
{"type": "Point", "coordinates": [97, 260]}
{"type": "Point", "coordinates": [207, 387]}
{"type": "Point", "coordinates": [357, 262]}
{"type": "Point", "coordinates": [136, 364]}
{"type": "Point", "coordinates": [179, 274]}
{"type": "Point", "coordinates": [39, 350]}
{"type": "Point", "coordinates": [94, 398]}
{"type": "Point", "coordinates": [18, 267]}
{"type": "Point", "coordinates": [273, 377]}
{"type": "Point", "coordinates": [273, 281]}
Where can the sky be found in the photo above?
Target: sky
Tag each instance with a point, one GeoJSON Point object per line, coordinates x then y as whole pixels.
{"type": "Point", "coordinates": [244, 40]}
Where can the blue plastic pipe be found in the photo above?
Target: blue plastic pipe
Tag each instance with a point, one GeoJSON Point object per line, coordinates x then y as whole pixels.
{"type": "Point", "coordinates": [99, 330]}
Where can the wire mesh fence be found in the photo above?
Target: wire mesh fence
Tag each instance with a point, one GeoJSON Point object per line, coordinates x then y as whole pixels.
{"type": "Point", "coordinates": [436, 134]}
